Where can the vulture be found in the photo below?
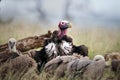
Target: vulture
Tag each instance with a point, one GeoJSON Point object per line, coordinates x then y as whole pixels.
{"type": "Point", "coordinates": [13, 52]}
{"type": "Point", "coordinates": [40, 57]}
{"type": "Point", "coordinates": [44, 55]}
{"type": "Point", "coordinates": [112, 56]}
{"type": "Point", "coordinates": [115, 66]}
{"type": "Point", "coordinates": [62, 36]}
{"type": "Point", "coordinates": [18, 66]}
{"type": "Point", "coordinates": [51, 49]}
{"type": "Point", "coordinates": [87, 69]}
{"type": "Point", "coordinates": [65, 48]}
{"type": "Point", "coordinates": [57, 67]}
{"type": "Point", "coordinates": [58, 45]}
{"type": "Point", "coordinates": [16, 63]}
{"type": "Point", "coordinates": [82, 50]}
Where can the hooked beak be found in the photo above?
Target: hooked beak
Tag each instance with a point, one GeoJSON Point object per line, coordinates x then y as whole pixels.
{"type": "Point", "coordinates": [69, 25]}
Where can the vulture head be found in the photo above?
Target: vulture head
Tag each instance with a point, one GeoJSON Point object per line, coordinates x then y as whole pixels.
{"type": "Point", "coordinates": [63, 26]}
{"type": "Point", "coordinates": [98, 57]}
{"type": "Point", "coordinates": [12, 45]}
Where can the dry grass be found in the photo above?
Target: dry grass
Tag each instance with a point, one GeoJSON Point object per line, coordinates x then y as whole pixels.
{"type": "Point", "coordinates": [19, 31]}
{"type": "Point", "coordinates": [99, 40]}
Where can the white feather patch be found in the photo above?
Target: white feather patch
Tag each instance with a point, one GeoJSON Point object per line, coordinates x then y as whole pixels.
{"type": "Point", "coordinates": [51, 49]}
{"type": "Point", "coordinates": [66, 47]}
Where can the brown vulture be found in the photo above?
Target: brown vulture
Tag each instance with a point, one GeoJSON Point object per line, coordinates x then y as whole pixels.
{"type": "Point", "coordinates": [87, 69]}
{"type": "Point", "coordinates": [14, 62]}
{"type": "Point", "coordinates": [57, 67]}
{"type": "Point", "coordinates": [115, 66]}
{"type": "Point", "coordinates": [13, 52]}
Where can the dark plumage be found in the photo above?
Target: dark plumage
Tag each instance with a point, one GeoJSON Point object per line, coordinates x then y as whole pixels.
{"type": "Point", "coordinates": [55, 37]}
{"type": "Point", "coordinates": [67, 38]}
{"type": "Point", "coordinates": [82, 50]}
{"type": "Point", "coordinates": [115, 66]}
{"type": "Point", "coordinates": [40, 57]}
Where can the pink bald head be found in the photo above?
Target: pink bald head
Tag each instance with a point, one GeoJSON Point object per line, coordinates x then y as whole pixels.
{"type": "Point", "coordinates": [63, 26]}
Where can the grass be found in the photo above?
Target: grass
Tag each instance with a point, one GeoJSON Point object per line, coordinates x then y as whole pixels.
{"type": "Point", "coordinates": [98, 40]}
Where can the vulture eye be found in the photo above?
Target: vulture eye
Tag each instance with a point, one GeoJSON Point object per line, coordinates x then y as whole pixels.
{"type": "Point", "coordinates": [10, 42]}
{"type": "Point", "coordinates": [62, 23]}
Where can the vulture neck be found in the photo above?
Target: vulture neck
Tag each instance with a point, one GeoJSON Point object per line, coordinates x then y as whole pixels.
{"type": "Point", "coordinates": [62, 33]}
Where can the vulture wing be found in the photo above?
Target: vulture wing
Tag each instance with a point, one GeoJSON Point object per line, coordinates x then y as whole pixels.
{"type": "Point", "coordinates": [78, 66]}
{"type": "Point", "coordinates": [53, 64]}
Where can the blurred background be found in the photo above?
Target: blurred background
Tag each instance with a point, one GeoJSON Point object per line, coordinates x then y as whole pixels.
{"type": "Point", "coordinates": [96, 23]}
{"type": "Point", "coordinates": [80, 12]}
